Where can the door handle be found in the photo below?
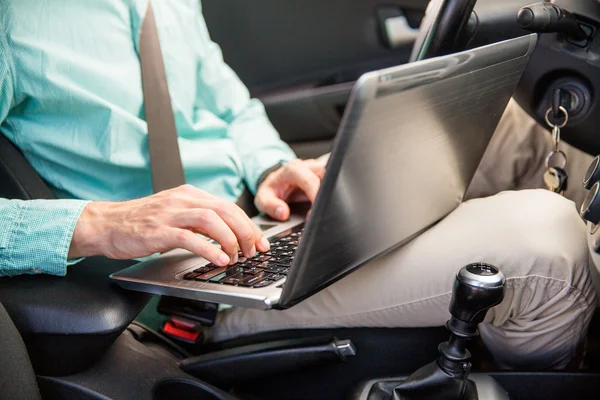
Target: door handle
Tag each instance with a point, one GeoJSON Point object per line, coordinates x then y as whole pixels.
{"type": "Point", "coordinates": [394, 27]}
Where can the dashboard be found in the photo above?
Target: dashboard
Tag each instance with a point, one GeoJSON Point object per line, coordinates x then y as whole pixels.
{"type": "Point", "coordinates": [572, 65]}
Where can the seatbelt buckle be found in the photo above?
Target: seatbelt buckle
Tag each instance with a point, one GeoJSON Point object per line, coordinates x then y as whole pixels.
{"type": "Point", "coordinates": [183, 329]}
{"type": "Point", "coordinates": [201, 312]}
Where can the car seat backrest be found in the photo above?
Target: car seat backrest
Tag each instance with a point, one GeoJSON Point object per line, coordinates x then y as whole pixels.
{"type": "Point", "coordinates": [18, 179]}
{"type": "Point", "coordinates": [17, 379]}
{"type": "Point", "coordinates": [74, 335]}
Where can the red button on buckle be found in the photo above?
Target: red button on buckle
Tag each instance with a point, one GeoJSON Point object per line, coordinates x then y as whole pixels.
{"type": "Point", "coordinates": [172, 330]}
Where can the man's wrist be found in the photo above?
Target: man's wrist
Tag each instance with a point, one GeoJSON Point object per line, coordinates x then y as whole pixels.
{"type": "Point", "coordinates": [88, 234]}
{"type": "Point", "coordinates": [269, 171]}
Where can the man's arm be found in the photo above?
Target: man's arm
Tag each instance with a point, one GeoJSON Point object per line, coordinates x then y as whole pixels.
{"type": "Point", "coordinates": [255, 138]}
{"type": "Point", "coordinates": [34, 235]}
{"type": "Point", "coordinates": [41, 235]}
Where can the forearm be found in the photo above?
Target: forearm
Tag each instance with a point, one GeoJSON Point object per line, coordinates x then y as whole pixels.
{"type": "Point", "coordinates": [35, 235]}
{"type": "Point", "coordinates": [258, 143]}
{"type": "Point", "coordinates": [39, 236]}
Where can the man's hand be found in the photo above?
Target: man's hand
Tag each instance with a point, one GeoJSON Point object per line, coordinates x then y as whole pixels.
{"type": "Point", "coordinates": [164, 221]}
{"type": "Point", "coordinates": [297, 181]}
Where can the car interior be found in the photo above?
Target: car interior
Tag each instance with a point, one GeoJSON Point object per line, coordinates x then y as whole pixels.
{"type": "Point", "coordinates": [83, 337]}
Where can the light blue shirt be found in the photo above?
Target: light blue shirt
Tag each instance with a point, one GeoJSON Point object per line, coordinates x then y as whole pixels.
{"type": "Point", "coordinates": [71, 99]}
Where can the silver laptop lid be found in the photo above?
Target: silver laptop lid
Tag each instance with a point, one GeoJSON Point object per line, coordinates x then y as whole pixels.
{"type": "Point", "coordinates": [408, 147]}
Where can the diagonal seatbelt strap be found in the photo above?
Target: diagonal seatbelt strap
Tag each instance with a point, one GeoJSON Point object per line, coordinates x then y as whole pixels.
{"type": "Point", "coordinates": [165, 159]}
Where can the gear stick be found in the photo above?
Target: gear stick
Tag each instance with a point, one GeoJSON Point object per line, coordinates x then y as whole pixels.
{"type": "Point", "coordinates": [477, 288]}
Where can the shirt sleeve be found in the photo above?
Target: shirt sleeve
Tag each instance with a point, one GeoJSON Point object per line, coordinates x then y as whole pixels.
{"type": "Point", "coordinates": [35, 235]}
{"type": "Point", "coordinates": [256, 140]}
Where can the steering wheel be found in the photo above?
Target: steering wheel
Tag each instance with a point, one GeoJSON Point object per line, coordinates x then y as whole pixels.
{"type": "Point", "coordinates": [445, 28]}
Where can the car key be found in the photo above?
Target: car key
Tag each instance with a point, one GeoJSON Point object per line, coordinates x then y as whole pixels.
{"type": "Point", "coordinates": [556, 180]}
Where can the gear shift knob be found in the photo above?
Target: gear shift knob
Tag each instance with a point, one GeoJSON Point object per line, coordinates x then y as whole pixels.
{"type": "Point", "coordinates": [478, 287]}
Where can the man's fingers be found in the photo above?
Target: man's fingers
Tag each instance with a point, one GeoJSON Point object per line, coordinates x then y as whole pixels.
{"type": "Point", "coordinates": [262, 243]}
{"type": "Point", "coordinates": [268, 202]}
{"type": "Point", "coordinates": [185, 239]}
{"type": "Point", "coordinates": [249, 236]}
{"type": "Point", "coordinates": [303, 175]}
{"type": "Point", "coordinates": [209, 223]}
{"type": "Point", "coordinates": [324, 159]}
{"type": "Point", "coordinates": [317, 167]}
{"type": "Point", "coordinates": [306, 180]}
{"type": "Point", "coordinates": [240, 224]}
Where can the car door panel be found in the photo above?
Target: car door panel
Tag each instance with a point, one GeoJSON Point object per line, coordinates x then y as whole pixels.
{"type": "Point", "coordinates": [300, 57]}
{"type": "Point", "coordinates": [308, 115]}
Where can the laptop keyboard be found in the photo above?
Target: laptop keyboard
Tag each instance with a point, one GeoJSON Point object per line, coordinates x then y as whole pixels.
{"type": "Point", "coordinates": [259, 271]}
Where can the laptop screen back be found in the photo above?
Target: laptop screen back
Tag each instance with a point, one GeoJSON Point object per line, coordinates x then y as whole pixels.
{"type": "Point", "coordinates": [408, 147]}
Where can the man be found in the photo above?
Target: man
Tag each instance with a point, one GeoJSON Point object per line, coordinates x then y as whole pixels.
{"type": "Point", "coordinates": [71, 99]}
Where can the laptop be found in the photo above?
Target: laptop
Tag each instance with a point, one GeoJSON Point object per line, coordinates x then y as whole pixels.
{"type": "Point", "coordinates": [408, 146]}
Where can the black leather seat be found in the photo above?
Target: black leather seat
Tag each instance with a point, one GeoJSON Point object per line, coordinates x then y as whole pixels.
{"type": "Point", "coordinates": [66, 322]}
{"type": "Point", "coordinates": [17, 379]}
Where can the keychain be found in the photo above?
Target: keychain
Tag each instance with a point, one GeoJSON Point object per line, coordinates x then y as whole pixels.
{"type": "Point", "coordinates": [556, 177]}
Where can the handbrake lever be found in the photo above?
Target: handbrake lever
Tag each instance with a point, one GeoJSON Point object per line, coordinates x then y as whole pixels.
{"type": "Point", "coordinates": [231, 367]}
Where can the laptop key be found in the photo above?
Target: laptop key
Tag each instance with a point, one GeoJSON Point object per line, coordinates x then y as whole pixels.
{"type": "Point", "coordinates": [277, 269]}
{"type": "Point", "coordinates": [190, 276]}
{"type": "Point", "coordinates": [253, 270]}
{"type": "Point", "coordinates": [206, 268]}
{"type": "Point", "coordinates": [209, 275]}
{"type": "Point", "coordinates": [252, 280]}
{"type": "Point", "coordinates": [234, 280]}
{"type": "Point", "coordinates": [263, 283]}
{"type": "Point", "coordinates": [277, 277]}
{"type": "Point", "coordinates": [285, 262]}
{"type": "Point", "coordinates": [276, 259]}
{"type": "Point", "coordinates": [229, 272]}
{"type": "Point", "coordinates": [263, 265]}
{"type": "Point", "coordinates": [246, 264]}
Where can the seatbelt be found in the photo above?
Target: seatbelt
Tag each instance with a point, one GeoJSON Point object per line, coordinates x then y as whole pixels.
{"type": "Point", "coordinates": [165, 159]}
